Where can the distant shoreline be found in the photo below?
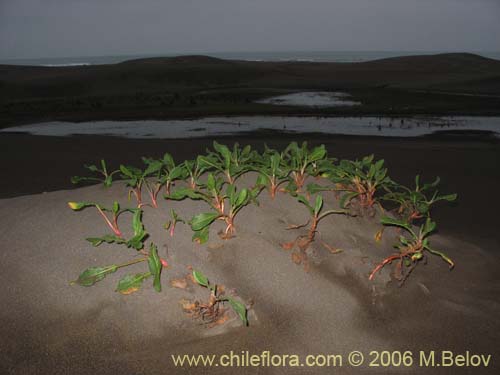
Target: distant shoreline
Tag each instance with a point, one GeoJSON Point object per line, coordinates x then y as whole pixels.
{"type": "Point", "coordinates": [270, 56]}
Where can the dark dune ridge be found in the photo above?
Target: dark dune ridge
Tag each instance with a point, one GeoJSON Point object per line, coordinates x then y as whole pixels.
{"type": "Point", "coordinates": [188, 86]}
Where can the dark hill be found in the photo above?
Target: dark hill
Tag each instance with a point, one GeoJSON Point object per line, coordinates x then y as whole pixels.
{"type": "Point", "coordinates": [188, 72]}
{"type": "Point", "coordinates": [178, 86]}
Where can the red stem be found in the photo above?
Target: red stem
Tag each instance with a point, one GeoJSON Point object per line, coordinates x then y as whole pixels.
{"type": "Point", "coordinates": [384, 262]}
{"type": "Point", "coordinates": [312, 230]}
{"type": "Point", "coordinates": [415, 215]}
{"type": "Point", "coordinates": [154, 196]}
{"type": "Point", "coordinates": [272, 190]}
{"type": "Point", "coordinates": [138, 196]}
{"type": "Point", "coordinates": [229, 225]}
{"type": "Point", "coordinates": [114, 225]}
{"type": "Point", "coordinates": [299, 180]}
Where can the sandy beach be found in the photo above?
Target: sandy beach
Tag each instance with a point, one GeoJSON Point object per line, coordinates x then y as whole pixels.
{"type": "Point", "coordinates": [50, 326]}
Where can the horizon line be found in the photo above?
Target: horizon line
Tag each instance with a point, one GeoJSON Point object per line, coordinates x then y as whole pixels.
{"type": "Point", "coordinates": [208, 53]}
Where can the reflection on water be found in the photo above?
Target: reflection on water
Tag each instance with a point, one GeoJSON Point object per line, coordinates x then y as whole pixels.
{"type": "Point", "coordinates": [320, 99]}
{"type": "Point", "coordinates": [219, 126]}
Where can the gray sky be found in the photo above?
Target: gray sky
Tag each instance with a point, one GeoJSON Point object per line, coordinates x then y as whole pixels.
{"type": "Point", "coordinates": [51, 28]}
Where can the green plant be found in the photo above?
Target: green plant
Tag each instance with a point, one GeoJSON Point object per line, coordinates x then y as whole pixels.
{"type": "Point", "coordinates": [302, 162]}
{"type": "Point", "coordinates": [359, 179]}
{"type": "Point", "coordinates": [134, 178]}
{"type": "Point", "coordinates": [136, 241]}
{"type": "Point", "coordinates": [137, 178]}
{"type": "Point", "coordinates": [411, 248]}
{"type": "Point", "coordinates": [212, 194]}
{"type": "Point", "coordinates": [237, 200]}
{"type": "Point", "coordinates": [272, 171]}
{"type": "Point", "coordinates": [155, 182]}
{"type": "Point", "coordinates": [195, 169]}
{"type": "Point", "coordinates": [416, 203]}
{"type": "Point", "coordinates": [317, 214]}
{"type": "Point", "coordinates": [211, 312]}
{"type": "Point", "coordinates": [165, 172]}
{"type": "Point", "coordinates": [92, 275]}
{"type": "Point", "coordinates": [231, 164]}
{"type": "Point", "coordinates": [170, 225]}
{"type": "Point", "coordinates": [106, 179]}
{"type": "Point", "coordinates": [225, 204]}
{"type": "Point", "coordinates": [112, 222]}
{"type": "Point", "coordinates": [129, 283]}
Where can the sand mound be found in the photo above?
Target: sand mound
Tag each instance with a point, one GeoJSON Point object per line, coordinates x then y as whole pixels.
{"type": "Point", "coordinates": [49, 326]}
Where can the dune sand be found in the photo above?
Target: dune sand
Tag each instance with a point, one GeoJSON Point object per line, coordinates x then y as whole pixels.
{"type": "Point", "coordinates": [50, 327]}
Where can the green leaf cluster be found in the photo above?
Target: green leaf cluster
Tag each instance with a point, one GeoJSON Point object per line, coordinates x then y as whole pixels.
{"type": "Point", "coordinates": [231, 163]}
{"type": "Point", "coordinates": [416, 203]}
{"type": "Point", "coordinates": [302, 161]}
{"type": "Point", "coordinates": [129, 283]}
{"type": "Point", "coordinates": [102, 175]}
{"type": "Point", "coordinates": [360, 179]}
{"type": "Point", "coordinates": [415, 240]}
{"type": "Point", "coordinates": [139, 233]}
{"type": "Point", "coordinates": [212, 178]}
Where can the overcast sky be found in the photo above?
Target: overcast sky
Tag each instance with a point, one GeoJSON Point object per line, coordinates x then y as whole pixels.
{"type": "Point", "coordinates": [52, 28]}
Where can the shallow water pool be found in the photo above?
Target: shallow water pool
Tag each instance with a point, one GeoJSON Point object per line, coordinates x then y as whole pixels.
{"type": "Point", "coordinates": [320, 99]}
{"type": "Point", "coordinates": [221, 126]}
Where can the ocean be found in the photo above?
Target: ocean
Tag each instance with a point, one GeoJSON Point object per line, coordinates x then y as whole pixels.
{"type": "Point", "coordinates": [313, 56]}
